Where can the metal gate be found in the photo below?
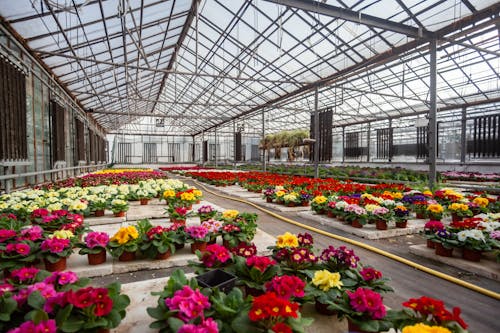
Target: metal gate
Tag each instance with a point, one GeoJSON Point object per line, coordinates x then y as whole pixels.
{"type": "Point", "coordinates": [124, 153]}
{"type": "Point", "coordinates": [149, 153]}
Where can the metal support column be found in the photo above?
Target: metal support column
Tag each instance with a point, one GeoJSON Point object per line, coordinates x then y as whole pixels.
{"type": "Point", "coordinates": [202, 155]}
{"type": "Point", "coordinates": [215, 150]}
{"type": "Point", "coordinates": [463, 136]}
{"type": "Point", "coordinates": [316, 134]}
{"type": "Point", "coordinates": [390, 140]}
{"type": "Point", "coordinates": [234, 144]}
{"type": "Point", "coordinates": [343, 144]}
{"type": "Point", "coordinates": [264, 162]}
{"type": "Point", "coordinates": [432, 114]}
{"type": "Point", "coordinates": [368, 143]}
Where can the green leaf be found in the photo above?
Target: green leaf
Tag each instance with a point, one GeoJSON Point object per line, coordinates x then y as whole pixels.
{"type": "Point", "coordinates": [70, 326]}
{"type": "Point", "coordinates": [175, 323]}
{"type": "Point", "coordinates": [157, 325]}
{"type": "Point", "coordinates": [36, 316]}
{"type": "Point", "coordinates": [156, 313]}
{"type": "Point", "coordinates": [114, 317]}
{"type": "Point", "coordinates": [63, 314]}
{"type": "Point", "coordinates": [36, 300]}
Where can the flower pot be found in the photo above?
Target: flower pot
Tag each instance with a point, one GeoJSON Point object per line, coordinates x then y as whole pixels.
{"type": "Point", "coordinates": [99, 213]}
{"type": "Point", "coordinates": [96, 258]}
{"type": "Point", "coordinates": [291, 204]}
{"type": "Point", "coordinates": [323, 309]}
{"type": "Point", "coordinates": [103, 330]}
{"type": "Point", "coordinates": [456, 218]}
{"type": "Point", "coordinates": [420, 215]}
{"type": "Point", "coordinates": [353, 328]}
{"type": "Point", "coordinates": [471, 255]}
{"type": "Point", "coordinates": [443, 251]}
{"type": "Point", "coordinates": [217, 278]}
{"type": "Point", "coordinates": [380, 225]}
{"type": "Point", "coordinates": [269, 200]}
{"type": "Point", "coordinates": [320, 211]}
{"type": "Point", "coordinates": [178, 221]}
{"type": "Point", "coordinates": [127, 256]}
{"type": "Point", "coordinates": [57, 266]}
{"type": "Point", "coordinates": [356, 224]}
{"type": "Point", "coordinates": [119, 214]}
{"type": "Point", "coordinates": [179, 246]}
{"type": "Point", "coordinates": [340, 218]}
{"type": "Point", "coordinates": [163, 256]}
{"type": "Point", "coordinates": [330, 214]}
{"type": "Point", "coordinates": [144, 202]}
{"type": "Point", "coordinates": [305, 203]}
{"type": "Point", "coordinates": [431, 244]}
{"type": "Point", "coordinates": [202, 246]}
{"type": "Point", "coordinates": [253, 291]}
{"type": "Point", "coordinates": [402, 224]}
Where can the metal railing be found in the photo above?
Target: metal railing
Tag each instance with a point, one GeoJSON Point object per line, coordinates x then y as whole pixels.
{"type": "Point", "coordinates": [61, 173]}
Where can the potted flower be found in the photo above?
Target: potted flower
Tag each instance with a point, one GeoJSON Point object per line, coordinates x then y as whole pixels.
{"type": "Point", "coordinates": [157, 242]}
{"type": "Point", "coordinates": [325, 287]}
{"type": "Point", "coordinates": [94, 247]}
{"type": "Point", "coordinates": [364, 310]}
{"type": "Point", "coordinates": [338, 259]}
{"type": "Point", "coordinates": [214, 227]}
{"type": "Point", "coordinates": [119, 207]}
{"type": "Point", "coordinates": [304, 198]}
{"type": "Point", "coordinates": [54, 252]}
{"type": "Point", "coordinates": [278, 196]}
{"type": "Point", "coordinates": [294, 255]}
{"type": "Point", "coordinates": [268, 194]}
{"type": "Point", "coordinates": [254, 271]}
{"type": "Point", "coordinates": [170, 196]}
{"type": "Point", "coordinates": [125, 243]}
{"type": "Point", "coordinates": [319, 204]}
{"type": "Point", "coordinates": [144, 194]}
{"type": "Point", "coordinates": [291, 199]}
{"type": "Point", "coordinates": [98, 206]}
{"type": "Point", "coordinates": [420, 313]}
{"type": "Point", "coordinates": [206, 212]}
{"type": "Point", "coordinates": [215, 256]}
{"type": "Point", "coordinates": [355, 214]}
{"type": "Point", "coordinates": [473, 242]}
{"type": "Point", "coordinates": [186, 198]}
{"type": "Point", "coordinates": [430, 229]}
{"type": "Point", "coordinates": [382, 216]}
{"type": "Point", "coordinates": [238, 227]}
{"type": "Point", "coordinates": [198, 236]}
{"type": "Point", "coordinates": [444, 241]}
{"type": "Point", "coordinates": [401, 214]}
{"type": "Point", "coordinates": [435, 211]}
{"type": "Point", "coordinates": [17, 254]}
{"type": "Point", "coordinates": [178, 214]}
{"type": "Point", "coordinates": [458, 211]}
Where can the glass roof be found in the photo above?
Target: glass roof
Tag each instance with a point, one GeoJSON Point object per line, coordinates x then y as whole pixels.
{"type": "Point", "coordinates": [194, 65]}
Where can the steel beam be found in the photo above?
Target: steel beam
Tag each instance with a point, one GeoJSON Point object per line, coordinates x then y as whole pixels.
{"type": "Point", "coordinates": [356, 17]}
{"type": "Point", "coordinates": [316, 134]}
{"type": "Point", "coordinates": [432, 114]}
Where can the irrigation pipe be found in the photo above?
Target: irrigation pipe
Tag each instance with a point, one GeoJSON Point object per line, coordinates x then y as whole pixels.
{"type": "Point", "coordinates": [365, 246]}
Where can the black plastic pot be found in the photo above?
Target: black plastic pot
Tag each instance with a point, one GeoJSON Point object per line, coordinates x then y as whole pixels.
{"type": "Point", "coordinates": [217, 278]}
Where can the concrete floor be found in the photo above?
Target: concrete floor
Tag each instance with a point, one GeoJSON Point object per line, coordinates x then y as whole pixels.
{"type": "Point", "coordinates": [478, 310]}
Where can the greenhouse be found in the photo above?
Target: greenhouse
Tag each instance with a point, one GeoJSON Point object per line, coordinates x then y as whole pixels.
{"type": "Point", "coordinates": [249, 166]}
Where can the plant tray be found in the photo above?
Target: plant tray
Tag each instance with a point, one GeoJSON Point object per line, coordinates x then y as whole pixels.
{"type": "Point", "coordinates": [217, 279]}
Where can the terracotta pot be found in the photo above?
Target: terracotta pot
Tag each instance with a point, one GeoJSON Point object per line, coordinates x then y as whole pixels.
{"type": "Point", "coordinates": [340, 218]}
{"type": "Point", "coordinates": [119, 214]}
{"type": "Point", "coordinates": [202, 246]}
{"type": "Point", "coordinates": [456, 218]}
{"type": "Point", "coordinates": [402, 224]}
{"type": "Point", "coordinates": [269, 200]}
{"type": "Point", "coordinates": [253, 291]}
{"type": "Point", "coordinates": [380, 225]}
{"type": "Point", "coordinates": [420, 215]}
{"type": "Point", "coordinates": [96, 258]}
{"type": "Point", "coordinates": [305, 203]}
{"type": "Point", "coordinates": [330, 214]}
{"type": "Point", "coordinates": [320, 212]}
{"type": "Point", "coordinates": [103, 330]}
{"type": "Point", "coordinates": [431, 244]}
{"type": "Point", "coordinates": [323, 309]}
{"type": "Point", "coordinates": [353, 328]}
{"type": "Point", "coordinates": [471, 255]}
{"type": "Point", "coordinates": [163, 256]}
{"type": "Point", "coordinates": [99, 213]}
{"type": "Point", "coordinates": [178, 221]}
{"type": "Point", "coordinates": [57, 266]}
{"type": "Point", "coordinates": [291, 204]}
{"type": "Point", "coordinates": [443, 251]}
{"type": "Point", "coordinates": [127, 256]}
{"type": "Point", "coordinates": [356, 224]}
{"type": "Point", "coordinates": [144, 202]}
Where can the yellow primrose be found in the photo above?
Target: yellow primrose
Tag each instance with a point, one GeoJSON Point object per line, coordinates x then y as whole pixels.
{"type": "Point", "coordinates": [423, 328]}
{"type": "Point", "coordinates": [197, 193]}
{"type": "Point", "coordinates": [78, 206]}
{"type": "Point", "coordinates": [187, 196]}
{"type": "Point", "coordinates": [287, 240]}
{"type": "Point", "coordinates": [326, 280]}
{"type": "Point", "coordinates": [62, 234]}
{"type": "Point", "coordinates": [458, 207]}
{"type": "Point", "coordinates": [481, 202]}
{"type": "Point", "coordinates": [427, 193]}
{"type": "Point", "coordinates": [125, 234]}
{"type": "Point", "coordinates": [320, 199]}
{"type": "Point", "coordinates": [280, 193]}
{"type": "Point", "coordinates": [370, 207]}
{"type": "Point", "coordinates": [169, 194]}
{"type": "Point", "coordinates": [230, 214]}
{"type": "Point", "coordinates": [435, 208]}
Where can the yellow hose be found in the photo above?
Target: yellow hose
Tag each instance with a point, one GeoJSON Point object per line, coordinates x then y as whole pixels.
{"type": "Point", "coordinates": [367, 247]}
